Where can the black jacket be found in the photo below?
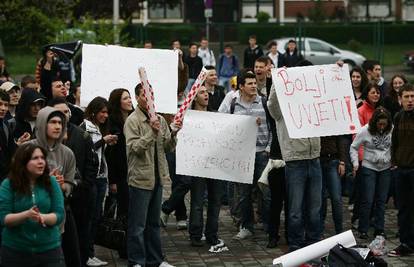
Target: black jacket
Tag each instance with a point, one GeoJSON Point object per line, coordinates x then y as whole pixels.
{"type": "Point", "coordinates": [195, 64]}
{"type": "Point", "coordinates": [77, 115]}
{"type": "Point", "coordinates": [214, 100]}
{"type": "Point", "coordinates": [81, 145]}
{"type": "Point", "coordinates": [291, 60]}
{"type": "Point", "coordinates": [250, 56]}
{"type": "Point", "coordinates": [7, 148]}
{"type": "Point", "coordinates": [116, 158]}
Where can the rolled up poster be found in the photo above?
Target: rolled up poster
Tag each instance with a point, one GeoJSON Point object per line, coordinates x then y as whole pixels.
{"type": "Point", "coordinates": [191, 95]}
{"type": "Point", "coordinates": [315, 251]}
{"type": "Point", "coordinates": [148, 94]}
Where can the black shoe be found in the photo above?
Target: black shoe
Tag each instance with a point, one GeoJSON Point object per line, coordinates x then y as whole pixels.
{"type": "Point", "coordinates": [196, 242]}
{"type": "Point", "coordinates": [401, 251]}
{"type": "Point", "coordinates": [363, 236]}
{"type": "Point", "coordinates": [272, 243]}
{"type": "Point", "coordinates": [380, 232]}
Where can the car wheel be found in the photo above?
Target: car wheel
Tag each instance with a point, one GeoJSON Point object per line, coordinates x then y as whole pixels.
{"type": "Point", "coordinates": [350, 62]}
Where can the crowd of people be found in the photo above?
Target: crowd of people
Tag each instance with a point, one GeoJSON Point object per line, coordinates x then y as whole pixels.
{"type": "Point", "coordinates": [60, 163]}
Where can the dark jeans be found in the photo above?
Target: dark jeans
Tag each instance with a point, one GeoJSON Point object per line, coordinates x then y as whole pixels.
{"type": "Point", "coordinates": [246, 190]}
{"type": "Point", "coordinates": [404, 190]}
{"type": "Point", "coordinates": [215, 190]}
{"type": "Point", "coordinates": [122, 197]}
{"type": "Point", "coordinates": [356, 195]}
{"type": "Point", "coordinates": [70, 241]}
{"type": "Point", "coordinates": [83, 205]}
{"type": "Point", "coordinates": [331, 187]}
{"type": "Point", "coordinates": [278, 200]}
{"type": "Point", "coordinates": [374, 191]}
{"type": "Point", "coordinates": [304, 190]}
{"type": "Point", "coordinates": [179, 188]}
{"type": "Point", "coordinates": [144, 240]}
{"type": "Point", "coordinates": [14, 258]}
{"type": "Point", "coordinates": [101, 189]}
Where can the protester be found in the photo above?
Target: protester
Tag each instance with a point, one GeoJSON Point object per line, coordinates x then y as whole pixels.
{"type": "Point", "coordinates": [14, 93]}
{"type": "Point", "coordinates": [23, 124]}
{"type": "Point", "coordinates": [95, 124]}
{"type": "Point", "coordinates": [375, 170]}
{"type": "Point", "coordinates": [372, 99]}
{"type": "Point", "coordinates": [391, 102]}
{"type": "Point", "coordinates": [148, 44]}
{"type": "Point", "coordinates": [29, 82]}
{"type": "Point", "coordinates": [291, 57]}
{"type": "Point", "coordinates": [402, 162]}
{"type": "Point", "coordinates": [261, 68]}
{"type": "Point", "coordinates": [248, 102]}
{"type": "Point", "coordinates": [31, 210]}
{"type": "Point", "coordinates": [303, 181]}
{"type": "Point", "coordinates": [374, 73]}
{"type": "Point", "coordinates": [228, 67]}
{"type": "Point", "coordinates": [274, 55]}
{"type": "Point", "coordinates": [7, 144]}
{"type": "Point", "coordinates": [206, 54]}
{"type": "Point", "coordinates": [216, 92]}
{"type": "Point", "coordinates": [146, 143]}
{"type": "Point", "coordinates": [252, 52]}
{"type": "Point", "coordinates": [83, 196]}
{"type": "Point", "coordinates": [74, 95]}
{"type": "Point", "coordinates": [195, 64]}
{"type": "Point", "coordinates": [47, 68]}
{"type": "Point", "coordinates": [175, 44]}
{"type": "Point", "coordinates": [119, 108]}
{"type": "Point", "coordinates": [359, 81]}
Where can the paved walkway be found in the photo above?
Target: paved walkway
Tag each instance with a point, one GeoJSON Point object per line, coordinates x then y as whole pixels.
{"type": "Point", "coordinates": [251, 252]}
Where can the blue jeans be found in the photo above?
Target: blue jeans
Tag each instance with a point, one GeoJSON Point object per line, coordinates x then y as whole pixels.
{"type": "Point", "coordinates": [331, 187]}
{"type": "Point", "coordinates": [101, 189]}
{"type": "Point", "coordinates": [215, 190]}
{"type": "Point", "coordinates": [225, 82]}
{"type": "Point", "coordinates": [189, 85]}
{"type": "Point", "coordinates": [404, 184]}
{"type": "Point", "coordinates": [374, 191]}
{"type": "Point", "coordinates": [246, 190]}
{"type": "Point", "coordinates": [144, 240]}
{"type": "Point", "coordinates": [304, 190]}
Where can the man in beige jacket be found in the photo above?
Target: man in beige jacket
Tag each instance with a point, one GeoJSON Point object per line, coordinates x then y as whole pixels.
{"type": "Point", "coordinates": [146, 143]}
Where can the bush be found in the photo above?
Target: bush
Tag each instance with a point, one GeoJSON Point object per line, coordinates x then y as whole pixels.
{"type": "Point", "coordinates": [262, 17]}
{"type": "Point", "coordinates": [354, 45]}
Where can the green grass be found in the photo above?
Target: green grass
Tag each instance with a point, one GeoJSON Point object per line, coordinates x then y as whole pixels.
{"type": "Point", "coordinates": [20, 61]}
{"type": "Point", "coordinates": [393, 54]}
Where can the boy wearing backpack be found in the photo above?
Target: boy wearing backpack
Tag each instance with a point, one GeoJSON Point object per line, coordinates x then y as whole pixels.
{"type": "Point", "coordinates": [228, 66]}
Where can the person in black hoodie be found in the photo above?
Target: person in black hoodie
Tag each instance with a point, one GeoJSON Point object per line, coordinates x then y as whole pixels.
{"type": "Point", "coordinates": [252, 52]}
{"type": "Point", "coordinates": [291, 57]}
{"type": "Point", "coordinates": [84, 194]}
{"type": "Point", "coordinates": [23, 124]}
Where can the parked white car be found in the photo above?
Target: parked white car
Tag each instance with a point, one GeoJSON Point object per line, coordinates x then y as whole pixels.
{"type": "Point", "coordinates": [320, 52]}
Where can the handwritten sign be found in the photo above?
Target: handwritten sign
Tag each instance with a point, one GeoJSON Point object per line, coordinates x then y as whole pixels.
{"type": "Point", "coordinates": [218, 146]}
{"type": "Point", "coordinates": [105, 68]}
{"type": "Point", "coordinates": [316, 100]}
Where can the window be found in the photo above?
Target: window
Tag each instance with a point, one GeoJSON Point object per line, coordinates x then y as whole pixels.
{"type": "Point", "coordinates": [164, 9]}
{"type": "Point", "coordinates": [319, 47]}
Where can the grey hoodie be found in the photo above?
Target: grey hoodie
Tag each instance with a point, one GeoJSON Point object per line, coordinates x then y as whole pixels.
{"type": "Point", "coordinates": [59, 156]}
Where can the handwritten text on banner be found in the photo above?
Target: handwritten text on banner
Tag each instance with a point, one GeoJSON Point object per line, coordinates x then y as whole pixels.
{"type": "Point", "coordinates": [105, 68]}
{"type": "Point", "coordinates": [316, 100]}
{"type": "Point", "coordinates": [218, 146]}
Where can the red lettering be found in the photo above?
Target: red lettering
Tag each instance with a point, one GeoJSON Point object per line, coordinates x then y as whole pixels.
{"type": "Point", "coordinates": [320, 104]}
{"type": "Point", "coordinates": [293, 118]}
{"type": "Point", "coordinates": [308, 113]}
{"type": "Point", "coordinates": [318, 123]}
{"type": "Point", "coordinates": [289, 87]}
{"type": "Point", "coordinates": [343, 111]}
{"type": "Point", "coordinates": [298, 84]}
{"type": "Point", "coordinates": [333, 106]}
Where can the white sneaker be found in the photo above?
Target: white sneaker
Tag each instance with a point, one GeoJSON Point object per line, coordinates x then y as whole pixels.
{"type": "Point", "coordinates": [91, 262]}
{"type": "Point", "coordinates": [98, 261]}
{"type": "Point", "coordinates": [243, 234]}
{"type": "Point", "coordinates": [181, 225]}
{"type": "Point", "coordinates": [166, 264]}
{"type": "Point", "coordinates": [164, 219]}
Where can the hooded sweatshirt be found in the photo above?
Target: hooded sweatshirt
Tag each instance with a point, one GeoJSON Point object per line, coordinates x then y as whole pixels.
{"type": "Point", "coordinates": [59, 156]}
{"type": "Point", "coordinates": [19, 124]}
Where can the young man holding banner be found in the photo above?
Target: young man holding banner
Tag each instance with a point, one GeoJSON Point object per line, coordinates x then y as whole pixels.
{"type": "Point", "coordinates": [147, 141]}
{"type": "Point", "coordinates": [248, 102]}
{"type": "Point", "coordinates": [303, 181]}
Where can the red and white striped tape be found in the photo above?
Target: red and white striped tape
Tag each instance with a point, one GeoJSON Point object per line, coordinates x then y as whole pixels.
{"type": "Point", "coordinates": [148, 94]}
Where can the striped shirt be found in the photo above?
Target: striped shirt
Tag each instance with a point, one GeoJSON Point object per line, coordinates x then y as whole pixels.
{"type": "Point", "coordinates": [255, 109]}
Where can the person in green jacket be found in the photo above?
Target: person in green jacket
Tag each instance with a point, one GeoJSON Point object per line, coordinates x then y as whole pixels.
{"type": "Point", "coordinates": [31, 210]}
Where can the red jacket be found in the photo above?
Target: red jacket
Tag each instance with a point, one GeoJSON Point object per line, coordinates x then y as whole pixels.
{"type": "Point", "coordinates": [365, 112]}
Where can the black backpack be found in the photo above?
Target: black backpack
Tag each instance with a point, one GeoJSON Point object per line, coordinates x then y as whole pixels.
{"type": "Point", "coordinates": [340, 256]}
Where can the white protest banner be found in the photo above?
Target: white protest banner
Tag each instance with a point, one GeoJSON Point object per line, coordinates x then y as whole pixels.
{"type": "Point", "coordinates": [105, 68]}
{"type": "Point", "coordinates": [218, 146]}
{"type": "Point", "coordinates": [316, 100]}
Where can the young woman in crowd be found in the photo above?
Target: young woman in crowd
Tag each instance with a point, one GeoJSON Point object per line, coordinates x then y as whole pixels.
{"type": "Point", "coordinates": [95, 123]}
{"type": "Point", "coordinates": [371, 100]}
{"type": "Point", "coordinates": [375, 174]}
{"type": "Point", "coordinates": [119, 108]}
{"type": "Point", "coordinates": [31, 210]}
{"type": "Point", "coordinates": [359, 81]}
{"type": "Point", "coordinates": [391, 102]}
